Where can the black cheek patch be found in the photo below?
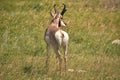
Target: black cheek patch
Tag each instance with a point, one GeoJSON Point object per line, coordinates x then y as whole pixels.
{"type": "Point", "coordinates": [59, 23]}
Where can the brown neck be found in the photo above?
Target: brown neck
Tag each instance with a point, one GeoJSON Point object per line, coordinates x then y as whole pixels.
{"type": "Point", "coordinates": [55, 22]}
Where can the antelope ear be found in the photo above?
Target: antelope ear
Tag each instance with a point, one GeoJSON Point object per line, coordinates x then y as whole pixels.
{"type": "Point", "coordinates": [52, 14]}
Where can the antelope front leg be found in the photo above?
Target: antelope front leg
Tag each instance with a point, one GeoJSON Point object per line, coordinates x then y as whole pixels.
{"type": "Point", "coordinates": [47, 57]}
{"type": "Point", "coordinates": [58, 55]}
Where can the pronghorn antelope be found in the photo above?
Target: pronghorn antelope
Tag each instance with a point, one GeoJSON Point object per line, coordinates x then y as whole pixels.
{"type": "Point", "coordinates": [56, 37]}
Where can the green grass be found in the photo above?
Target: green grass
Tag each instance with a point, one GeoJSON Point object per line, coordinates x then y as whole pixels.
{"type": "Point", "coordinates": [91, 25]}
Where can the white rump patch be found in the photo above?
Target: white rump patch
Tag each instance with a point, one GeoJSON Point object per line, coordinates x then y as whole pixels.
{"type": "Point", "coordinates": [58, 37]}
{"type": "Point", "coordinates": [61, 37]}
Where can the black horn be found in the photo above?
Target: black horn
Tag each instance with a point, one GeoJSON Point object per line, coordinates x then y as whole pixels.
{"type": "Point", "coordinates": [64, 10]}
{"type": "Point", "coordinates": [56, 10]}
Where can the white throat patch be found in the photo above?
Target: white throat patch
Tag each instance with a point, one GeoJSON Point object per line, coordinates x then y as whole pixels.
{"type": "Point", "coordinates": [62, 23]}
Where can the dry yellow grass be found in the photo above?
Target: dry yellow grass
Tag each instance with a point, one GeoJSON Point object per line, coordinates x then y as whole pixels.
{"type": "Point", "coordinates": [92, 26]}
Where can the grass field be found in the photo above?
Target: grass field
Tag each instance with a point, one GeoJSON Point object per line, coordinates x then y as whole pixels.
{"type": "Point", "coordinates": [92, 25]}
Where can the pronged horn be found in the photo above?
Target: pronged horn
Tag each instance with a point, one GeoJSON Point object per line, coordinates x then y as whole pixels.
{"type": "Point", "coordinates": [64, 10]}
{"type": "Point", "coordinates": [56, 10]}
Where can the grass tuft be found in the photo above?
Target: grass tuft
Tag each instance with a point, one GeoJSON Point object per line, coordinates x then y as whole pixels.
{"type": "Point", "coordinates": [92, 26]}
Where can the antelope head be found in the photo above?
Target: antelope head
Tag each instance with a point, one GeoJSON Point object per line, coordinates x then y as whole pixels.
{"type": "Point", "coordinates": [58, 16]}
